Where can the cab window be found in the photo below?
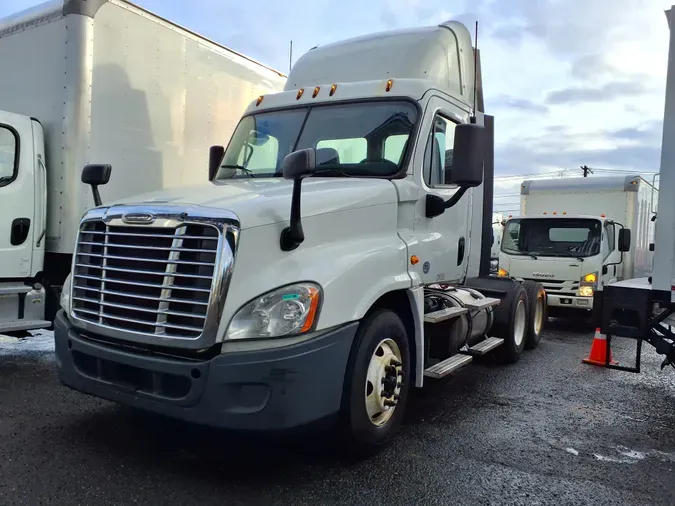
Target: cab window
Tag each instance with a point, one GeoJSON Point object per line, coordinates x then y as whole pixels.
{"type": "Point", "coordinates": [438, 153]}
{"type": "Point", "coordinates": [8, 155]}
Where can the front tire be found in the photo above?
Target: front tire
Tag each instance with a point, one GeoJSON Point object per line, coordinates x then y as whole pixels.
{"type": "Point", "coordinates": [376, 384]}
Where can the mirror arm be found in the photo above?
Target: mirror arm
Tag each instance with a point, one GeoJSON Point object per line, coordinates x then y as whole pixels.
{"type": "Point", "coordinates": [456, 197]}
{"type": "Point", "coordinates": [293, 235]}
{"type": "Point", "coordinates": [96, 194]}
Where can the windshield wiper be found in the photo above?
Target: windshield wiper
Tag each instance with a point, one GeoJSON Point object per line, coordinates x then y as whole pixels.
{"type": "Point", "coordinates": [238, 167]}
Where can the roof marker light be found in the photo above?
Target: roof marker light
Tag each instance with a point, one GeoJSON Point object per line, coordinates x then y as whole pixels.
{"type": "Point", "coordinates": [316, 92]}
{"type": "Point", "coordinates": [260, 99]}
{"type": "Point", "coordinates": [390, 83]}
{"type": "Point", "coordinates": [332, 90]}
{"type": "Point", "coordinates": [300, 92]}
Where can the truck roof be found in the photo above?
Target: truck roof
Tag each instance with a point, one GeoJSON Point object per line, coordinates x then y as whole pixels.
{"type": "Point", "coordinates": [628, 183]}
{"type": "Point", "coordinates": [51, 9]}
{"type": "Point", "coordinates": [559, 215]}
{"type": "Point", "coordinates": [415, 60]}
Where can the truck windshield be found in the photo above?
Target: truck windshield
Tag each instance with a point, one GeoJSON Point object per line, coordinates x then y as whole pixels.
{"type": "Point", "coordinates": [364, 139]}
{"type": "Point", "coordinates": [556, 237]}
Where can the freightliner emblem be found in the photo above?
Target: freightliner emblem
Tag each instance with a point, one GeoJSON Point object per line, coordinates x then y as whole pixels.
{"type": "Point", "coordinates": [138, 218]}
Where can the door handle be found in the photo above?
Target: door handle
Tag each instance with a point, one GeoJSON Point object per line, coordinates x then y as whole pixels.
{"type": "Point", "coordinates": [19, 231]}
{"type": "Point", "coordinates": [460, 251]}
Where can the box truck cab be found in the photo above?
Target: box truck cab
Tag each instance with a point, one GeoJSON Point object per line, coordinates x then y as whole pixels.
{"type": "Point", "coordinates": [578, 235]}
{"type": "Point", "coordinates": [71, 94]}
{"type": "Point", "coordinates": [573, 256]}
{"type": "Point", "coordinates": [301, 284]}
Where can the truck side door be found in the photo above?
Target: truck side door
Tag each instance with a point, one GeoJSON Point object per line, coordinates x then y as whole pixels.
{"type": "Point", "coordinates": [17, 198]}
{"type": "Point", "coordinates": [444, 239]}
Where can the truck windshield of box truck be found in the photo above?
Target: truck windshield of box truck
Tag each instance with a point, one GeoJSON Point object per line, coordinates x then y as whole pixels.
{"type": "Point", "coordinates": [553, 237]}
{"type": "Point", "coordinates": [359, 139]}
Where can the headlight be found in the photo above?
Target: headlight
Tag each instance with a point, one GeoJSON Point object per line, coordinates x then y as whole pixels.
{"type": "Point", "coordinates": [502, 273]}
{"type": "Point", "coordinates": [282, 312]}
{"type": "Point", "coordinates": [65, 294]}
{"type": "Point", "coordinates": [586, 291]}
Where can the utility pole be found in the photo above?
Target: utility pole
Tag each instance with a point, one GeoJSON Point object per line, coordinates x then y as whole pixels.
{"type": "Point", "coordinates": [586, 169]}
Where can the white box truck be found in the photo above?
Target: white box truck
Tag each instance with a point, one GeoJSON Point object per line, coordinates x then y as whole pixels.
{"type": "Point", "coordinates": [91, 81]}
{"type": "Point", "coordinates": [643, 308]}
{"type": "Point", "coordinates": [300, 282]}
{"type": "Point", "coordinates": [577, 235]}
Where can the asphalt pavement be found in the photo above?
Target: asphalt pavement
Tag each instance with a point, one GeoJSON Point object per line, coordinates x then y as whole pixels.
{"type": "Point", "coordinates": [547, 430]}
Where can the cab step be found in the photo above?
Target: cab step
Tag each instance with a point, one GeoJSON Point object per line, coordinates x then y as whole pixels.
{"type": "Point", "coordinates": [18, 325]}
{"type": "Point", "coordinates": [485, 346]}
{"type": "Point", "coordinates": [445, 314]}
{"type": "Point", "coordinates": [447, 366]}
{"type": "Point", "coordinates": [14, 289]}
{"type": "Point", "coordinates": [485, 303]}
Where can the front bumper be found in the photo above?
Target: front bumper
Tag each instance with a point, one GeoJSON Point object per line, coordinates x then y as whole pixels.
{"type": "Point", "coordinates": [272, 389]}
{"type": "Point", "coordinates": [568, 301]}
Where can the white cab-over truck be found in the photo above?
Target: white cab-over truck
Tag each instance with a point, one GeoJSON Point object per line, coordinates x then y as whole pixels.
{"type": "Point", "coordinates": [577, 235]}
{"type": "Point", "coordinates": [642, 308]}
{"type": "Point", "coordinates": [91, 81]}
{"type": "Point", "coordinates": [337, 256]}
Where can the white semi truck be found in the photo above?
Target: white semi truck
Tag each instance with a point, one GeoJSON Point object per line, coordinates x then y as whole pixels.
{"type": "Point", "coordinates": [337, 256]}
{"type": "Point", "coordinates": [642, 308]}
{"type": "Point", "coordinates": [578, 235]}
{"type": "Point", "coordinates": [91, 81]}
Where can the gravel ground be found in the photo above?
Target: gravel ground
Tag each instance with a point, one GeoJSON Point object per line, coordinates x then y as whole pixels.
{"type": "Point", "coordinates": [547, 430]}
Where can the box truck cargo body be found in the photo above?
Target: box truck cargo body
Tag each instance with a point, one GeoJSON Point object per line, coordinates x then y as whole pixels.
{"type": "Point", "coordinates": [577, 235]}
{"type": "Point", "coordinates": [100, 81]}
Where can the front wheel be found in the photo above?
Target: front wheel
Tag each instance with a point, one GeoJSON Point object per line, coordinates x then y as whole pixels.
{"type": "Point", "coordinates": [376, 383]}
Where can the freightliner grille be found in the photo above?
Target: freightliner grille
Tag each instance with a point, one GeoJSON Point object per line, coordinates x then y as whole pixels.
{"type": "Point", "coordinates": [145, 279]}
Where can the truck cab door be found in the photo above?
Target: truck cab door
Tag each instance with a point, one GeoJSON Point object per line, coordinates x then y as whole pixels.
{"type": "Point", "coordinates": [609, 273]}
{"type": "Point", "coordinates": [444, 239]}
{"type": "Point", "coordinates": [17, 196]}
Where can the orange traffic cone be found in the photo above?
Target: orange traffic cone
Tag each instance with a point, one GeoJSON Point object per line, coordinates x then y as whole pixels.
{"type": "Point", "coordinates": [598, 353]}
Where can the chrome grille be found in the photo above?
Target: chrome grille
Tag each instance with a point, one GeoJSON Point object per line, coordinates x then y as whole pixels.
{"type": "Point", "coordinates": [558, 287]}
{"type": "Point", "coordinates": [145, 279]}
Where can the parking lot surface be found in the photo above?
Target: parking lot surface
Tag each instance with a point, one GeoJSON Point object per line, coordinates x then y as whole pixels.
{"type": "Point", "coordinates": [547, 430]}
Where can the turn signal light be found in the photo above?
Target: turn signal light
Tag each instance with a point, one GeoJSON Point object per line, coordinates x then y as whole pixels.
{"type": "Point", "coordinates": [590, 278]}
{"type": "Point", "coordinates": [502, 273]}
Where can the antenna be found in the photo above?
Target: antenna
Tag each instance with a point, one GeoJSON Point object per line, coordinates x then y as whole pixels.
{"type": "Point", "coordinates": [290, 58]}
{"type": "Point", "coordinates": [475, 77]}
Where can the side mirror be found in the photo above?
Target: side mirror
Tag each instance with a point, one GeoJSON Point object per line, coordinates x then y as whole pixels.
{"type": "Point", "coordinates": [299, 164]}
{"type": "Point", "coordinates": [624, 240]}
{"type": "Point", "coordinates": [468, 155]}
{"type": "Point", "coordinates": [216, 154]}
{"type": "Point", "coordinates": [95, 175]}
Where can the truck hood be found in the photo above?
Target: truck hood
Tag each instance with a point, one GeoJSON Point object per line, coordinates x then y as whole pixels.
{"type": "Point", "coordinates": [546, 268]}
{"type": "Point", "coordinates": [265, 201]}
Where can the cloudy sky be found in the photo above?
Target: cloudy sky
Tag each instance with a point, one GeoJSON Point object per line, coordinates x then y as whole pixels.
{"type": "Point", "coordinates": [571, 82]}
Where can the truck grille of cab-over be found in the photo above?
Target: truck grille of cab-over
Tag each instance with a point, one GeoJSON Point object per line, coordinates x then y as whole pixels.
{"type": "Point", "coordinates": [149, 280]}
